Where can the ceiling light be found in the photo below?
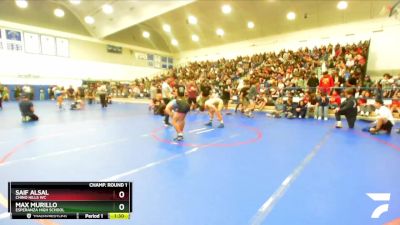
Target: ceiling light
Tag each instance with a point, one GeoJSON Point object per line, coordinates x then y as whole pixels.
{"type": "Point", "coordinates": [195, 38]}
{"type": "Point", "coordinates": [146, 34]}
{"type": "Point", "coordinates": [59, 12]}
{"type": "Point", "coordinates": [21, 3]}
{"type": "Point", "coordinates": [174, 42]}
{"type": "Point", "coordinates": [89, 20]}
{"type": "Point", "coordinates": [250, 24]}
{"type": "Point", "coordinates": [220, 32]}
{"type": "Point", "coordinates": [166, 28]}
{"type": "Point", "coordinates": [291, 16]}
{"type": "Point", "coordinates": [192, 20]}
{"type": "Point", "coordinates": [75, 2]}
{"type": "Point", "coordinates": [226, 9]}
{"type": "Point", "coordinates": [342, 5]}
{"type": "Point", "coordinates": [107, 9]}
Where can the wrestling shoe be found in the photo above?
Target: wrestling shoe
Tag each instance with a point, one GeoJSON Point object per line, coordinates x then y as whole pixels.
{"type": "Point", "coordinates": [178, 138]}
{"type": "Point", "coordinates": [26, 119]}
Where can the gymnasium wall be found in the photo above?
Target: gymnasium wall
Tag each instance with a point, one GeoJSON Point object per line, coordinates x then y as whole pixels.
{"type": "Point", "coordinates": [383, 33]}
{"type": "Point", "coordinates": [88, 59]}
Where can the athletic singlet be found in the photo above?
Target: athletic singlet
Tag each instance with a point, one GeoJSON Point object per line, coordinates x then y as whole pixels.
{"type": "Point", "coordinates": [180, 106]}
{"type": "Point", "coordinates": [214, 101]}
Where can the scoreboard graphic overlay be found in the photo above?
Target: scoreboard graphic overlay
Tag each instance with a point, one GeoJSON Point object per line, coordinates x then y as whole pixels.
{"type": "Point", "coordinates": [70, 200]}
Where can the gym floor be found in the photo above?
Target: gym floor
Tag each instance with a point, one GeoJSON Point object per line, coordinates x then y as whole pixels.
{"type": "Point", "coordinates": [254, 171]}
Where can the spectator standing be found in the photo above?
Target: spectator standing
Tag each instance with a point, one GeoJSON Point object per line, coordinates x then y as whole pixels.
{"type": "Point", "coordinates": [323, 104]}
{"type": "Point", "coordinates": [312, 83]}
{"type": "Point", "coordinates": [326, 83]}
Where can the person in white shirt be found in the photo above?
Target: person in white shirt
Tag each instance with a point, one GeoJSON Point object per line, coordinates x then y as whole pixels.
{"type": "Point", "coordinates": [166, 90]}
{"type": "Point", "coordinates": [385, 120]}
{"type": "Point", "coordinates": [240, 85]}
{"type": "Point", "coordinates": [167, 95]}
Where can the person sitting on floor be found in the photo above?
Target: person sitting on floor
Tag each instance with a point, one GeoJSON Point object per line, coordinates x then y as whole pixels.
{"type": "Point", "coordinates": [27, 110]}
{"type": "Point", "coordinates": [311, 105]}
{"type": "Point", "coordinates": [261, 101]}
{"type": "Point", "coordinates": [279, 109]}
{"type": "Point", "coordinates": [385, 121]}
{"type": "Point", "coordinates": [290, 107]}
{"type": "Point", "coordinates": [300, 110]}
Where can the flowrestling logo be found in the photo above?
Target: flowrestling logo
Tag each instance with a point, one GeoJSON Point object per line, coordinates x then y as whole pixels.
{"type": "Point", "coordinates": [380, 197]}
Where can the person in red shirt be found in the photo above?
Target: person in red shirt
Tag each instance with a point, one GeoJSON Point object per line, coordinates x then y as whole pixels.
{"type": "Point", "coordinates": [326, 83]}
{"type": "Point", "coordinates": [334, 100]}
{"type": "Point", "coordinates": [395, 106]}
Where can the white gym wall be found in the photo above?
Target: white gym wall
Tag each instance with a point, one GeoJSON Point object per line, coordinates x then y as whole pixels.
{"type": "Point", "coordinates": [383, 33]}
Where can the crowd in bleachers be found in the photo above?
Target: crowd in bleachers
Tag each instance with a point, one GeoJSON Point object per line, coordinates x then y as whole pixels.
{"type": "Point", "coordinates": [303, 83]}
{"type": "Point", "coordinates": [293, 84]}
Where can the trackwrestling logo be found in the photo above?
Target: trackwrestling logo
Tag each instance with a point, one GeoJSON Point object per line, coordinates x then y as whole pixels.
{"type": "Point", "coordinates": [379, 197]}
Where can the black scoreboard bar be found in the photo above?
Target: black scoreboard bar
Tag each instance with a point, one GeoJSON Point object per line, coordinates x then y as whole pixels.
{"type": "Point", "coordinates": [70, 200]}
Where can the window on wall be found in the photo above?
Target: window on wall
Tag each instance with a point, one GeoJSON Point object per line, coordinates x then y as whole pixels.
{"type": "Point", "coordinates": [170, 63]}
{"type": "Point", "coordinates": [32, 43]}
{"type": "Point", "coordinates": [21, 41]}
{"type": "Point", "coordinates": [48, 45]}
{"type": "Point", "coordinates": [62, 47]}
